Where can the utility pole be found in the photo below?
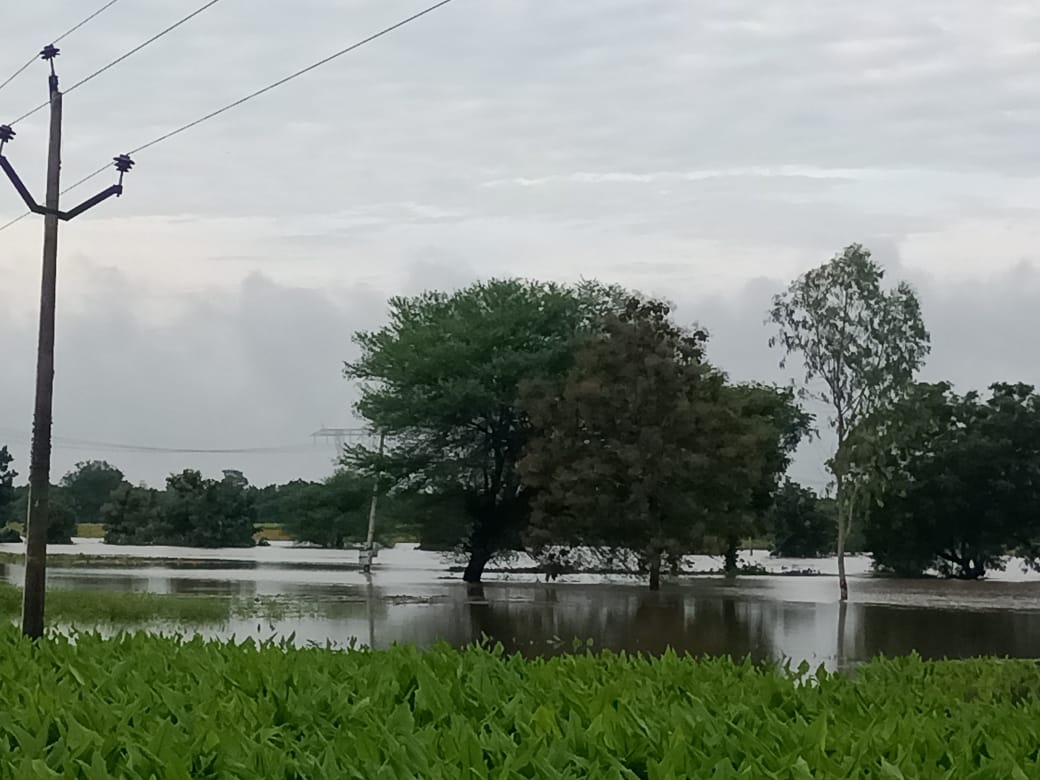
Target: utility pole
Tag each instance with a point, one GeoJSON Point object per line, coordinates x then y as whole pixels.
{"type": "Point", "coordinates": [370, 552]}
{"type": "Point", "coordinates": [40, 458]}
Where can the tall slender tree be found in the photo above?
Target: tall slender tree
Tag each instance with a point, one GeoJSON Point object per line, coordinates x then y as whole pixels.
{"type": "Point", "coordinates": [860, 344]}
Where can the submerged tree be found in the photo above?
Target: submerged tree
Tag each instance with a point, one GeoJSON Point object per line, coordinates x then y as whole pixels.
{"type": "Point", "coordinates": [960, 490]}
{"type": "Point", "coordinates": [791, 424]}
{"type": "Point", "coordinates": [7, 489]}
{"type": "Point", "coordinates": [442, 381]}
{"type": "Point", "coordinates": [800, 523]}
{"type": "Point", "coordinates": [133, 515]}
{"type": "Point", "coordinates": [331, 513]}
{"type": "Point", "coordinates": [644, 446]}
{"type": "Point", "coordinates": [193, 511]}
{"type": "Point", "coordinates": [88, 486]}
{"type": "Point", "coordinates": [861, 346]}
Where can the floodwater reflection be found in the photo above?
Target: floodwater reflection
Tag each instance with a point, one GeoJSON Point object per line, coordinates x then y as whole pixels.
{"type": "Point", "coordinates": [763, 618]}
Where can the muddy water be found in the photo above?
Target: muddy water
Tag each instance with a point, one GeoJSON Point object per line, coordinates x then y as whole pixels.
{"type": "Point", "coordinates": [412, 598]}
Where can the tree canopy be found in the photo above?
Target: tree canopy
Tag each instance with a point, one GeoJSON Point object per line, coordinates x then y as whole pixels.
{"type": "Point", "coordinates": [800, 523]}
{"type": "Point", "coordinates": [958, 480]}
{"type": "Point", "coordinates": [643, 445]}
{"type": "Point", "coordinates": [861, 345]}
{"type": "Point", "coordinates": [193, 511]}
{"type": "Point", "coordinates": [88, 487]}
{"type": "Point", "coordinates": [442, 381]}
{"type": "Point", "coordinates": [7, 477]}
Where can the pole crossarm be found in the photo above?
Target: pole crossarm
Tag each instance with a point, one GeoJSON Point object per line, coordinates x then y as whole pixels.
{"type": "Point", "coordinates": [123, 164]}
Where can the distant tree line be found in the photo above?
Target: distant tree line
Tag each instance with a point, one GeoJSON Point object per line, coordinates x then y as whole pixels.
{"type": "Point", "coordinates": [522, 415]}
{"type": "Point", "coordinates": [195, 511]}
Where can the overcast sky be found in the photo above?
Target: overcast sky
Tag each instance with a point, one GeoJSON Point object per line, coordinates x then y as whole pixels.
{"type": "Point", "coordinates": [704, 150]}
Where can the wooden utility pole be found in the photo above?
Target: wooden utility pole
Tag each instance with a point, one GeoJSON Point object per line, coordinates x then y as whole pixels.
{"type": "Point", "coordinates": [40, 458]}
{"type": "Point", "coordinates": [369, 552]}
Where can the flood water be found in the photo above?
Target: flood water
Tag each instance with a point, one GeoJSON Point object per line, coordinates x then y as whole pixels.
{"type": "Point", "coordinates": [411, 597]}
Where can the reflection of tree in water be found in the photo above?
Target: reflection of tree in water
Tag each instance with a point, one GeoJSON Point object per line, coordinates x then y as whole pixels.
{"type": "Point", "coordinates": [626, 619]}
{"type": "Point", "coordinates": [190, 586]}
{"type": "Point", "coordinates": [946, 633]}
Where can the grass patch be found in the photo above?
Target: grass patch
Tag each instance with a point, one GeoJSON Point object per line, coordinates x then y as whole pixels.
{"type": "Point", "coordinates": [103, 607]}
{"type": "Point", "coordinates": [272, 532]}
{"type": "Point", "coordinates": [90, 531]}
{"type": "Point", "coordinates": [143, 706]}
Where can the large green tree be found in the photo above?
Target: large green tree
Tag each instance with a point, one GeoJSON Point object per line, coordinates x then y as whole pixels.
{"type": "Point", "coordinates": [193, 511]}
{"type": "Point", "coordinates": [88, 486]}
{"type": "Point", "coordinates": [860, 344]}
{"type": "Point", "coordinates": [791, 425]}
{"type": "Point", "coordinates": [442, 381]}
{"type": "Point", "coordinates": [61, 525]}
{"type": "Point", "coordinates": [800, 523]}
{"type": "Point", "coordinates": [644, 446]}
{"type": "Point", "coordinates": [958, 485]}
{"type": "Point", "coordinates": [133, 515]}
{"type": "Point", "coordinates": [332, 513]}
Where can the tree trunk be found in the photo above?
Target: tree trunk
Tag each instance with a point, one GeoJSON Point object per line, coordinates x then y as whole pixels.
{"type": "Point", "coordinates": [843, 528]}
{"type": "Point", "coordinates": [478, 559]}
{"type": "Point", "coordinates": [844, 502]}
{"type": "Point", "coordinates": [655, 572]}
{"type": "Point", "coordinates": [730, 564]}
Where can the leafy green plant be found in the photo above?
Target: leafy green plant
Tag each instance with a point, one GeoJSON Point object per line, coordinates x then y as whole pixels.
{"type": "Point", "coordinates": [139, 705]}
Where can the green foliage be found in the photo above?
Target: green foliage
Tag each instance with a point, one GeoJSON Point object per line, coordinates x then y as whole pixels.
{"type": "Point", "coordinates": [133, 515]}
{"type": "Point", "coordinates": [88, 486]}
{"type": "Point", "coordinates": [956, 480]}
{"type": "Point", "coordinates": [801, 524]}
{"type": "Point", "coordinates": [7, 477]}
{"type": "Point", "coordinates": [8, 498]}
{"type": "Point", "coordinates": [442, 381]}
{"type": "Point", "coordinates": [644, 445]}
{"type": "Point", "coordinates": [334, 513]}
{"type": "Point", "coordinates": [193, 511]}
{"type": "Point", "coordinates": [145, 706]}
{"type": "Point", "coordinates": [331, 513]}
{"type": "Point", "coordinates": [61, 517]}
{"type": "Point", "coordinates": [860, 344]}
{"type": "Point", "coordinates": [92, 608]}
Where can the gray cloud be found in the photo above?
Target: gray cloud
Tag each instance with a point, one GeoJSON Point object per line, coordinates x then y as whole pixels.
{"type": "Point", "coordinates": [705, 151]}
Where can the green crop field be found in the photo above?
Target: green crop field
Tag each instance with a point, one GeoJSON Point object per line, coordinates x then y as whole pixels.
{"type": "Point", "coordinates": [145, 706]}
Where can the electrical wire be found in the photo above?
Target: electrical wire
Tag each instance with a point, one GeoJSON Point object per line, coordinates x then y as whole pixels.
{"type": "Point", "coordinates": [119, 59]}
{"type": "Point", "coordinates": [250, 96]}
{"type": "Point", "coordinates": [138, 48]}
{"type": "Point", "coordinates": [60, 38]}
{"type": "Point", "coordinates": [14, 221]}
{"type": "Point", "coordinates": [290, 77]}
{"type": "Point", "coordinates": [62, 442]}
{"type": "Point", "coordinates": [88, 446]}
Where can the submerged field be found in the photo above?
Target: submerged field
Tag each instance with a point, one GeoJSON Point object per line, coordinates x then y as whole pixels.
{"type": "Point", "coordinates": [140, 705]}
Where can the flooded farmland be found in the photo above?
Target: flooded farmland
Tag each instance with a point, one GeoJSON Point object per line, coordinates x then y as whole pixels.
{"type": "Point", "coordinates": [411, 596]}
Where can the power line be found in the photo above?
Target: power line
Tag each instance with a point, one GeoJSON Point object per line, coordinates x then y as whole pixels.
{"type": "Point", "coordinates": [88, 444]}
{"type": "Point", "coordinates": [90, 18]}
{"type": "Point", "coordinates": [138, 48]}
{"type": "Point", "coordinates": [119, 59]}
{"type": "Point", "coordinates": [240, 101]}
{"type": "Point", "coordinates": [60, 38]}
{"type": "Point", "coordinates": [13, 221]}
{"type": "Point", "coordinates": [287, 79]}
